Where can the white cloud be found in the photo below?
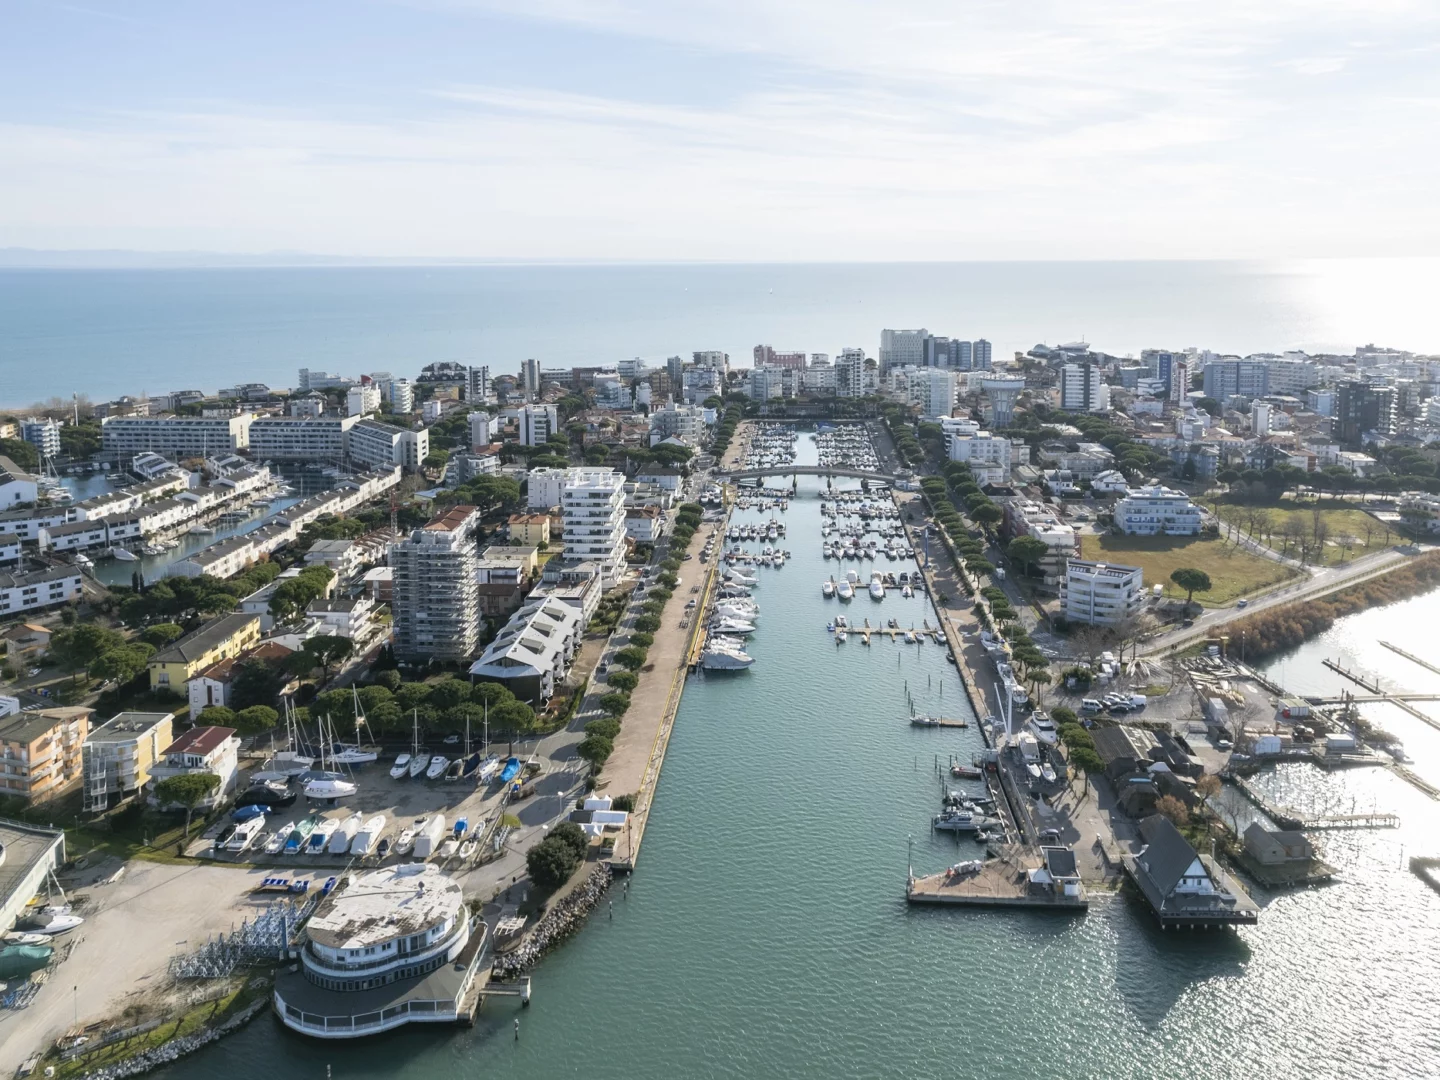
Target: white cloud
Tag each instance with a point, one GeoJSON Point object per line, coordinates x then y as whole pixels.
{"type": "Point", "coordinates": [910, 130]}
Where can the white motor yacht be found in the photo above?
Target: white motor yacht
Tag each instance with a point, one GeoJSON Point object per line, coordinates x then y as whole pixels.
{"type": "Point", "coordinates": [827, 588]}
{"type": "Point", "coordinates": [354, 755]}
{"type": "Point", "coordinates": [877, 586]}
{"type": "Point", "coordinates": [401, 767]}
{"type": "Point", "coordinates": [719, 655]}
{"type": "Point", "coordinates": [1044, 728]}
{"type": "Point", "coordinates": [437, 766]}
{"type": "Point", "coordinates": [319, 840]}
{"type": "Point", "coordinates": [731, 609]}
{"type": "Point", "coordinates": [51, 923]}
{"type": "Point", "coordinates": [727, 625]}
{"type": "Point", "coordinates": [845, 591]}
{"type": "Point", "coordinates": [344, 833]}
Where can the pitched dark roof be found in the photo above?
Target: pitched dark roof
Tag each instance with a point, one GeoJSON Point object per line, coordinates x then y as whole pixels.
{"type": "Point", "coordinates": [1167, 854]}
{"type": "Point", "coordinates": [198, 741]}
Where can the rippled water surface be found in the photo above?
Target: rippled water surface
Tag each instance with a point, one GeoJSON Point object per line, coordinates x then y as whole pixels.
{"type": "Point", "coordinates": [765, 933]}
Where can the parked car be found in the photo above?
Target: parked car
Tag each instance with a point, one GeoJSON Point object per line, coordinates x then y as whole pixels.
{"type": "Point", "coordinates": [1242, 602]}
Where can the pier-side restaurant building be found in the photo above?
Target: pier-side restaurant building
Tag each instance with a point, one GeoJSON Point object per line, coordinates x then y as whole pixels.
{"type": "Point", "coordinates": [390, 947]}
{"type": "Point", "coordinates": [1185, 890]}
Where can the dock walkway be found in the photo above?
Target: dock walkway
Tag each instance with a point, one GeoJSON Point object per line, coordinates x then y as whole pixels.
{"type": "Point", "coordinates": [1400, 701]}
{"type": "Point", "coordinates": [1002, 882]}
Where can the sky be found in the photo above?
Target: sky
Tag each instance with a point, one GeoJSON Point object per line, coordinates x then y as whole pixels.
{"type": "Point", "coordinates": [741, 130]}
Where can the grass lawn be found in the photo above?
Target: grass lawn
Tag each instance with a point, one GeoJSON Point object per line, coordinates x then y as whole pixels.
{"type": "Point", "coordinates": [1338, 521]}
{"type": "Point", "coordinates": [1233, 573]}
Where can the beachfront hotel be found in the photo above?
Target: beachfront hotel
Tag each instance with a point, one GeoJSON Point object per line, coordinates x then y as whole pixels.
{"type": "Point", "coordinates": [391, 947]}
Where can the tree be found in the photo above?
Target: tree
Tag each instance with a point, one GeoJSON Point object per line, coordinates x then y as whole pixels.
{"type": "Point", "coordinates": [389, 678]}
{"type": "Point", "coordinates": [256, 719]}
{"type": "Point", "coordinates": [161, 634]}
{"type": "Point", "coordinates": [595, 749]}
{"type": "Point", "coordinates": [256, 682]}
{"type": "Point", "coordinates": [122, 664]}
{"type": "Point", "coordinates": [1191, 580]}
{"type": "Point", "coordinates": [572, 836]}
{"type": "Point", "coordinates": [1062, 715]}
{"type": "Point", "coordinates": [631, 658]}
{"type": "Point", "coordinates": [647, 624]}
{"type": "Point", "coordinates": [606, 727]}
{"type": "Point", "coordinates": [987, 515]}
{"type": "Point", "coordinates": [327, 649]}
{"type": "Point", "coordinates": [550, 864]}
{"type": "Point", "coordinates": [615, 703]}
{"type": "Point", "coordinates": [299, 664]}
{"type": "Point", "coordinates": [77, 647]}
{"type": "Point", "coordinates": [623, 680]}
{"type": "Point", "coordinates": [1027, 551]}
{"type": "Point", "coordinates": [1088, 762]}
{"type": "Point", "coordinates": [1170, 807]}
{"type": "Point", "coordinates": [188, 790]}
{"type": "Point", "coordinates": [1207, 787]}
{"type": "Point", "coordinates": [447, 693]}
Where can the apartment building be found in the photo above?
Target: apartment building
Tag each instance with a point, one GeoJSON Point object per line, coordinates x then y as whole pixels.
{"type": "Point", "coordinates": [228, 636]}
{"type": "Point", "coordinates": [534, 423]}
{"type": "Point", "coordinates": [1025, 517]}
{"type": "Point", "coordinates": [1157, 511]}
{"type": "Point", "coordinates": [362, 400]}
{"type": "Point", "coordinates": [933, 391]}
{"type": "Point", "coordinates": [1102, 594]}
{"type": "Point", "coordinates": [1082, 389]}
{"type": "Point", "coordinates": [39, 589]}
{"type": "Point", "coordinates": [16, 485]}
{"type": "Point", "coordinates": [175, 436]}
{"type": "Point", "coordinates": [592, 502]}
{"type": "Point", "coordinates": [482, 430]}
{"type": "Point", "coordinates": [436, 604]}
{"type": "Point", "coordinates": [43, 434]}
{"type": "Point", "coordinates": [683, 422]}
{"type": "Point", "coordinates": [534, 650]}
{"type": "Point", "coordinates": [41, 752]}
{"type": "Point", "coordinates": [850, 375]}
{"type": "Point", "coordinates": [300, 438]}
{"type": "Point", "coordinates": [987, 455]}
{"type": "Point", "coordinates": [213, 750]}
{"type": "Point", "coordinates": [371, 443]}
{"type": "Point", "coordinates": [118, 755]}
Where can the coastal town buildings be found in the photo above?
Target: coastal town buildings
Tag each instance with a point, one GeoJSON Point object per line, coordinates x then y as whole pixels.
{"type": "Point", "coordinates": [16, 485]}
{"type": "Point", "coordinates": [176, 436]}
{"type": "Point", "coordinates": [207, 749]}
{"type": "Point", "coordinates": [1102, 594]}
{"type": "Point", "coordinates": [436, 604]}
{"type": "Point", "coordinates": [533, 650]}
{"type": "Point", "coordinates": [35, 589]}
{"type": "Point", "coordinates": [230, 635]}
{"type": "Point", "coordinates": [43, 434]}
{"type": "Point", "coordinates": [592, 502]}
{"type": "Point", "coordinates": [289, 438]}
{"type": "Point", "coordinates": [371, 443]}
{"type": "Point", "coordinates": [40, 752]}
{"type": "Point", "coordinates": [534, 424]}
{"type": "Point", "coordinates": [1157, 511]}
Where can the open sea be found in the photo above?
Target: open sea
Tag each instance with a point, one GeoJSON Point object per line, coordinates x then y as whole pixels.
{"type": "Point", "coordinates": [110, 332]}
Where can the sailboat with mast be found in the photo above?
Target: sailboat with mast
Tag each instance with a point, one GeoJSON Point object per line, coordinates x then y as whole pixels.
{"type": "Point", "coordinates": [330, 785]}
{"type": "Point", "coordinates": [358, 754]}
{"type": "Point", "coordinates": [291, 762]}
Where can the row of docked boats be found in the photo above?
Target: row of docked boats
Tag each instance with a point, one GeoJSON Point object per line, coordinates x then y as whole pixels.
{"type": "Point", "coordinates": [763, 530]}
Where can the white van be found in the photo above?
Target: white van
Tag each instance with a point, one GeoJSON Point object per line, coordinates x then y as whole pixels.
{"type": "Point", "coordinates": [1090, 705]}
{"type": "Point", "coordinates": [1138, 701]}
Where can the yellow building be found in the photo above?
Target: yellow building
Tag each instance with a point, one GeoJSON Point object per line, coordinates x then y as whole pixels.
{"type": "Point", "coordinates": [173, 667]}
{"type": "Point", "coordinates": [530, 529]}
{"type": "Point", "coordinates": [40, 752]}
{"type": "Point", "coordinates": [119, 753]}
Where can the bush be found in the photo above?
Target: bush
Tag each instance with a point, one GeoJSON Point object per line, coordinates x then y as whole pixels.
{"type": "Point", "coordinates": [606, 727]}
{"type": "Point", "coordinates": [623, 680]}
{"type": "Point", "coordinates": [623, 802]}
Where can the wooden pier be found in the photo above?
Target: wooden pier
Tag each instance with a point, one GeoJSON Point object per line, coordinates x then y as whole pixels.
{"type": "Point", "coordinates": [1411, 657]}
{"type": "Point", "coordinates": [1287, 819]}
{"type": "Point", "coordinates": [1400, 701]}
{"type": "Point", "coordinates": [1002, 882]}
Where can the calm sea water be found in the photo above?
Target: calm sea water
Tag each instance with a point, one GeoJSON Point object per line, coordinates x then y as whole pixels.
{"type": "Point", "coordinates": [766, 934]}
{"type": "Point", "coordinates": [108, 332]}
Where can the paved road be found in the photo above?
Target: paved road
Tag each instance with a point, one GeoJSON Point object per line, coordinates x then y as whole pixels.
{"type": "Point", "coordinates": [1321, 581]}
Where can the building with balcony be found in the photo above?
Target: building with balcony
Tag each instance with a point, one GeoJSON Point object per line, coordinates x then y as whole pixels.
{"type": "Point", "coordinates": [1102, 594]}
{"type": "Point", "coordinates": [177, 436]}
{"type": "Point", "coordinates": [41, 752]}
{"type": "Point", "coordinates": [436, 604]}
{"type": "Point", "coordinates": [39, 589]}
{"type": "Point", "coordinates": [117, 756]}
{"type": "Point", "coordinates": [531, 530]}
{"type": "Point", "coordinates": [391, 947]}
{"type": "Point", "coordinates": [213, 750]}
{"type": "Point", "coordinates": [300, 438]}
{"type": "Point", "coordinates": [178, 663]}
{"type": "Point", "coordinates": [371, 443]}
{"type": "Point", "coordinates": [1158, 511]}
{"type": "Point", "coordinates": [534, 650]}
{"type": "Point", "coordinates": [593, 504]}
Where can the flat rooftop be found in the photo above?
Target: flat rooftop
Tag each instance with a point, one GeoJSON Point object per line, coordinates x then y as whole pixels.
{"type": "Point", "coordinates": [385, 904]}
{"type": "Point", "coordinates": [125, 726]}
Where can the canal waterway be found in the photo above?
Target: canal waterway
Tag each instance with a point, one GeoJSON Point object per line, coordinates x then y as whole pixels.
{"type": "Point", "coordinates": [765, 933]}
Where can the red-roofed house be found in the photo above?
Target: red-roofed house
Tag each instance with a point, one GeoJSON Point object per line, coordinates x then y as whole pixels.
{"type": "Point", "coordinates": [201, 750]}
{"type": "Point", "coordinates": [212, 686]}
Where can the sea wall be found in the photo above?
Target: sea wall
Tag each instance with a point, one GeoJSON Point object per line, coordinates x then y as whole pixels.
{"type": "Point", "coordinates": [563, 920]}
{"type": "Point", "coordinates": [1280, 628]}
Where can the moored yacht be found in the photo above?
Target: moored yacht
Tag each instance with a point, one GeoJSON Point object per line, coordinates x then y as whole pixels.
{"type": "Point", "coordinates": [877, 586]}
{"type": "Point", "coordinates": [721, 655]}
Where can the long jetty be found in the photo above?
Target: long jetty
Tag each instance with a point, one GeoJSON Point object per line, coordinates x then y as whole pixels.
{"type": "Point", "coordinates": [1378, 692]}
{"type": "Point", "coordinates": [1288, 819]}
{"type": "Point", "coordinates": [1411, 657]}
